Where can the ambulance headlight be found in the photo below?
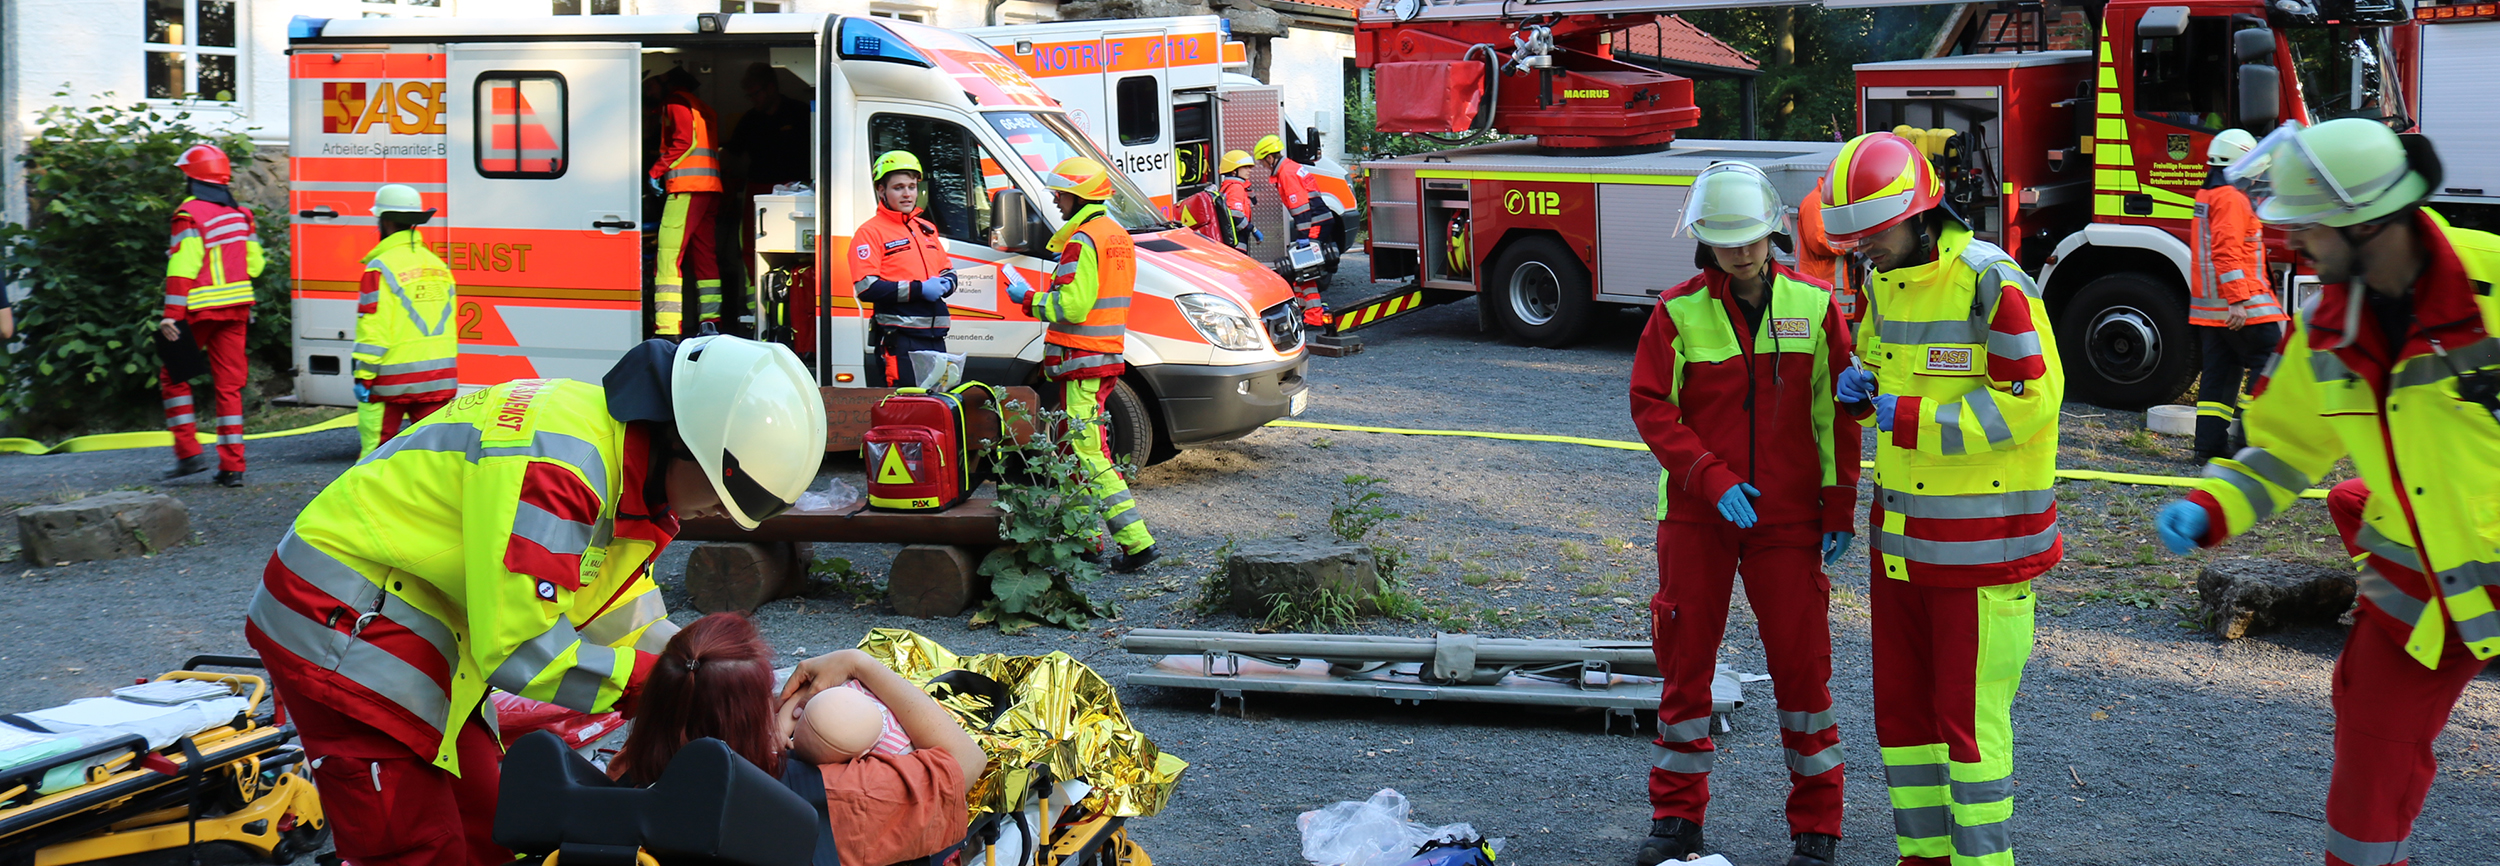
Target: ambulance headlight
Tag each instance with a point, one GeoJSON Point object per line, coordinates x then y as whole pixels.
{"type": "Point", "coordinates": [1221, 321]}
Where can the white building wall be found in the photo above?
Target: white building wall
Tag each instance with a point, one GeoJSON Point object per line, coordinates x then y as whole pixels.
{"type": "Point", "coordinates": [1310, 65]}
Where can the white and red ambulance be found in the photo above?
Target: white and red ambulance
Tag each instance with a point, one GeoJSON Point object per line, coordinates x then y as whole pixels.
{"type": "Point", "coordinates": [532, 137]}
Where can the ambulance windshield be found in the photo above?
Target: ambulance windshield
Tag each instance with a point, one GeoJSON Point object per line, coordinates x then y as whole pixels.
{"type": "Point", "coordinates": [1042, 140]}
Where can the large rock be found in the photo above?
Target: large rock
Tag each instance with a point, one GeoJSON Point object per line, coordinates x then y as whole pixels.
{"type": "Point", "coordinates": [742, 576]}
{"type": "Point", "coordinates": [111, 526]}
{"type": "Point", "coordinates": [2247, 596]}
{"type": "Point", "coordinates": [1265, 567]}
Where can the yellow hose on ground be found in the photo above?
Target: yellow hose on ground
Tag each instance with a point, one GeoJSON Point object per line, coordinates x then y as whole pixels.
{"type": "Point", "coordinates": [1622, 445]}
{"type": "Point", "coordinates": [154, 439]}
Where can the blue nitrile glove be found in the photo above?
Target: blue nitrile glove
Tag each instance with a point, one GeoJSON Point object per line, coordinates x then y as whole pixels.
{"type": "Point", "coordinates": [940, 286]}
{"type": "Point", "coordinates": [1836, 545]}
{"type": "Point", "coordinates": [1017, 291]}
{"type": "Point", "coordinates": [1737, 505]}
{"type": "Point", "coordinates": [1884, 404]}
{"type": "Point", "coordinates": [656, 188]}
{"type": "Point", "coordinates": [1855, 386]}
{"type": "Point", "coordinates": [363, 393]}
{"type": "Point", "coordinates": [1257, 235]}
{"type": "Point", "coordinates": [2181, 525]}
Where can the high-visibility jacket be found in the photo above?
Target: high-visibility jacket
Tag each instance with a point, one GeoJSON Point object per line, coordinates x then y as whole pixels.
{"type": "Point", "coordinates": [502, 542]}
{"type": "Point", "coordinates": [1238, 200]}
{"type": "Point", "coordinates": [1086, 308]}
{"type": "Point", "coordinates": [1722, 404]}
{"type": "Point", "coordinates": [2414, 429]}
{"type": "Point", "coordinates": [689, 159]}
{"type": "Point", "coordinates": [1819, 259]}
{"type": "Point", "coordinates": [2230, 262]}
{"type": "Point", "coordinates": [406, 349]}
{"type": "Point", "coordinates": [888, 252]}
{"type": "Point", "coordinates": [213, 256]}
{"type": "Point", "coordinates": [1964, 480]}
{"type": "Point", "coordinates": [1300, 194]}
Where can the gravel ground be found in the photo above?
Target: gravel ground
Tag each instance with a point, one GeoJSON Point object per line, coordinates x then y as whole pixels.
{"type": "Point", "coordinates": [2139, 740]}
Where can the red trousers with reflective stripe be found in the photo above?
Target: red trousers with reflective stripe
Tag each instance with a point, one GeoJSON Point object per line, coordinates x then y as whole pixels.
{"type": "Point", "coordinates": [1791, 597]}
{"type": "Point", "coordinates": [396, 414]}
{"type": "Point", "coordinates": [2388, 709]}
{"type": "Point", "coordinates": [390, 807]}
{"type": "Point", "coordinates": [222, 340]}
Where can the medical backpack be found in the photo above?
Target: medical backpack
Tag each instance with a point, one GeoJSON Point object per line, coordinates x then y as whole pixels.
{"type": "Point", "coordinates": [919, 451]}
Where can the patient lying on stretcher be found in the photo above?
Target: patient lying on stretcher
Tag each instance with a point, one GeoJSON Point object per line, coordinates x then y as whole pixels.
{"type": "Point", "coordinates": [882, 798]}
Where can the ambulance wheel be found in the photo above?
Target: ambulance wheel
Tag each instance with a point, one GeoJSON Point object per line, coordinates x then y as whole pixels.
{"type": "Point", "coordinates": [1132, 427]}
{"type": "Point", "coordinates": [2127, 342]}
{"type": "Point", "coordinates": [1541, 293]}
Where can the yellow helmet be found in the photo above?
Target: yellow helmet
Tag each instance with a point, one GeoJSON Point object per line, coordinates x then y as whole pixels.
{"type": "Point", "coordinates": [1081, 177]}
{"type": "Point", "coordinates": [893, 161]}
{"type": "Point", "coordinates": [1268, 146]}
{"type": "Point", "coordinates": [1234, 160]}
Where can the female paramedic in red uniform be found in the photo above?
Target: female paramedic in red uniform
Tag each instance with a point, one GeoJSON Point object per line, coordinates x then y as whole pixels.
{"type": "Point", "coordinates": [1731, 386]}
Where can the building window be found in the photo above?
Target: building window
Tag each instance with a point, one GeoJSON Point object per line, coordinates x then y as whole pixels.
{"type": "Point", "coordinates": [587, 7]}
{"type": "Point", "coordinates": [192, 51]}
{"type": "Point", "coordinates": [1141, 107]}
{"type": "Point", "coordinates": [756, 6]}
{"type": "Point", "coordinates": [898, 12]}
{"type": "Point", "coordinates": [521, 125]}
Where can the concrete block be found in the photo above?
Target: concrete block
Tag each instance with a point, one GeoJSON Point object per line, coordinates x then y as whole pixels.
{"type": "Point", "coordinates": [932, 580]}
{"type": "Point", "coordinates": [743, 576]}
{"type": "Point", "coordinates": [1264, 567]}
{"type": "Point", "coordinates": [110, 526]}
{"type": "Point", "coordinates": [2246, 596]}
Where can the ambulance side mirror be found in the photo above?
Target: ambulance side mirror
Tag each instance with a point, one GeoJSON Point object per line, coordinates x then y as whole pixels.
{"type": "Point", "coordinates": [1014, 227]}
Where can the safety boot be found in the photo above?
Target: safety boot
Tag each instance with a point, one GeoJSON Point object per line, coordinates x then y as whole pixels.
{"type": "Point", "coordinates": [1670, 839]}
{"type": "Point", "coordinates": [1129, 562]}
{"type": "Point", "coordinates": [192, 465]}
{"type": "Point", "coordinates": [229, 478]}
{"type": "Point", "coordinates": [1815, 849]}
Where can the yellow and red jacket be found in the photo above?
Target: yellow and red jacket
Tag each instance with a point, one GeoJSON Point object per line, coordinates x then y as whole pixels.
{"type": "Point", "coordinates": [503, 542]}
{"type": "Point", "coordinates": [406, 349]}
{"type": "Point", "coordinates": [210, 262]}
{"type": "Point", "coordinates": [1964, 482]}
{"type": "Point", "coordinates": [2409, 417]}
{"type": "Point", "coordinates": [1723, 404]}
{"type": "Point", "coordinates": [1086, 307]}
{"type": "Point", "coordinates": [689, 159]}
{"type": "Point", "coordinates": [2230, 262]}
{"type": "Point", "coordinates": [888, 252]}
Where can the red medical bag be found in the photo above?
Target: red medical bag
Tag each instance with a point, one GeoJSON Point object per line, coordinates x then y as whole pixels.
{"type": "Point", "coordinates": [917, 449]}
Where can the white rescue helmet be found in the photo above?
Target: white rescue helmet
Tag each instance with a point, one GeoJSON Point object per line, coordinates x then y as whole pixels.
{"type": "Point", "coordinates": [2228, 146]}
{"type": "Point", "coordinates": [1732, 204]}
{"type": "Point", "coordinates": [753, 419]}
{"type": "Point", "coordinates": [402, 202]}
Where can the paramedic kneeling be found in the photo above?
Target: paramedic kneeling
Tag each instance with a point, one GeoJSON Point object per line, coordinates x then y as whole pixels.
{"type": "Point", "coordinates": [504, 542]}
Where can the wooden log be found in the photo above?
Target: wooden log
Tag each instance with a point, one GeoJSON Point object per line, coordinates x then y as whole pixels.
{"type": "Point", "coordinates": [743, 576]}
{"type": "Point", "coordinates": [973, 524]}
{"type": "Point", "coordinates": [932, 580]}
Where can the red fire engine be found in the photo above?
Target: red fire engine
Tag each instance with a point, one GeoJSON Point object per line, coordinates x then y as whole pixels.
{"type": "Point", "coordinates": [2083, 164]}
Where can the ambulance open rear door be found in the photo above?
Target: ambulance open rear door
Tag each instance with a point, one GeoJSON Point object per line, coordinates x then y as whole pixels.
{"type": "Point", "coordinates": [545, 168]}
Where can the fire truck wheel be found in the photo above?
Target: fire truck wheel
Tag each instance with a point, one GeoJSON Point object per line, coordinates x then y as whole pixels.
{"type": "Point", "coordinates": [1541, 293]}
{"type": "Point", "coordinates": [2127, 342]}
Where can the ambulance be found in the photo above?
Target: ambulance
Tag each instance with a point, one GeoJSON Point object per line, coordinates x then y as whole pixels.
{"type": "Point", "coordinates": [1165, 97]}
{"type": "Point", "coordinates": [532, 138]}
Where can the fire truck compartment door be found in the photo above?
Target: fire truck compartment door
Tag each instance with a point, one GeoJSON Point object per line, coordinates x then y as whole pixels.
{"type": "Point", "coordinates": [2458, 112]}
{"type": "Point", "coordinates": [546, 167]}
{"type": "Point", "coordinates": [1635, 258]}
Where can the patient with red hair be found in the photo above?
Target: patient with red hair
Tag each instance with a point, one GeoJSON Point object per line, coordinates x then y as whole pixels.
{"type": "Point", "coordinates": [875, 806]}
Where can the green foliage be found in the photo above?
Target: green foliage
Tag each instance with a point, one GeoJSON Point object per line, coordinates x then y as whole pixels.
{"type": "Point", "coordinates": [1814, 97]}
{"type": "Point", "coordinates": [836, 578]}
{"type": "Point", "coordinates": [1357, 510]}
{"type": "Point", "coordinates": [1052, 521]}
{"type": "Point", "coordinates": [101, 186]}
{"type": "Point", "coordinates": [1324, 608]}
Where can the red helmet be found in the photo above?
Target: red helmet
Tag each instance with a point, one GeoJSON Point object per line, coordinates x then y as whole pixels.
{"type": "Point", "coordinates": [1879, 180]}
{"type": "Point", "coordinates": [205, 162]}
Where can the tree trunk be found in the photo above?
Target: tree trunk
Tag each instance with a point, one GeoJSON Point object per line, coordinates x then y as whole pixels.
{"type": "Point", "coordinates": [1784, 36]}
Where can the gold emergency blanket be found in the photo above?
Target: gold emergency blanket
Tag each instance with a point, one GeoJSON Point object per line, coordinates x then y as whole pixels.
{"type": "Point", "coordinates": [1065, 717]}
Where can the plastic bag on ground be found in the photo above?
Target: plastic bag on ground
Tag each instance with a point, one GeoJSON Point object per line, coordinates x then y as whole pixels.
{"type": "Point", "coordinates": [942, 371]}
{"type": "Point", "coordinates": [835, 496]}
{"type": "Point", "coordinates": [1372, 832]}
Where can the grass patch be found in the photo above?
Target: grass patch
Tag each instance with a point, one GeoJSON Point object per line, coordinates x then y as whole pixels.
{"type": "Point", "coordinates": [1573, 551]}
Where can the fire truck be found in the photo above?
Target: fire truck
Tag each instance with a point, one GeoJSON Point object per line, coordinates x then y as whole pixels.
{"type": "Point", "coordinates": [2082, 164]}
{"type": "Point", "coordinates": [531, 138]}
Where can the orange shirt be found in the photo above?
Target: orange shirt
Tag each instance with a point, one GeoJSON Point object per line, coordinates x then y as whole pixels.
{"type": "Point", "coordinates": [893, 808]}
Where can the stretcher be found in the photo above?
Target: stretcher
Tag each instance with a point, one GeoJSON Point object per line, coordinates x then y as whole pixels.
{"type": "Point", "coordinates": [190, 757]}
{"type": "Point", "coordinates": [1618, 677]}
